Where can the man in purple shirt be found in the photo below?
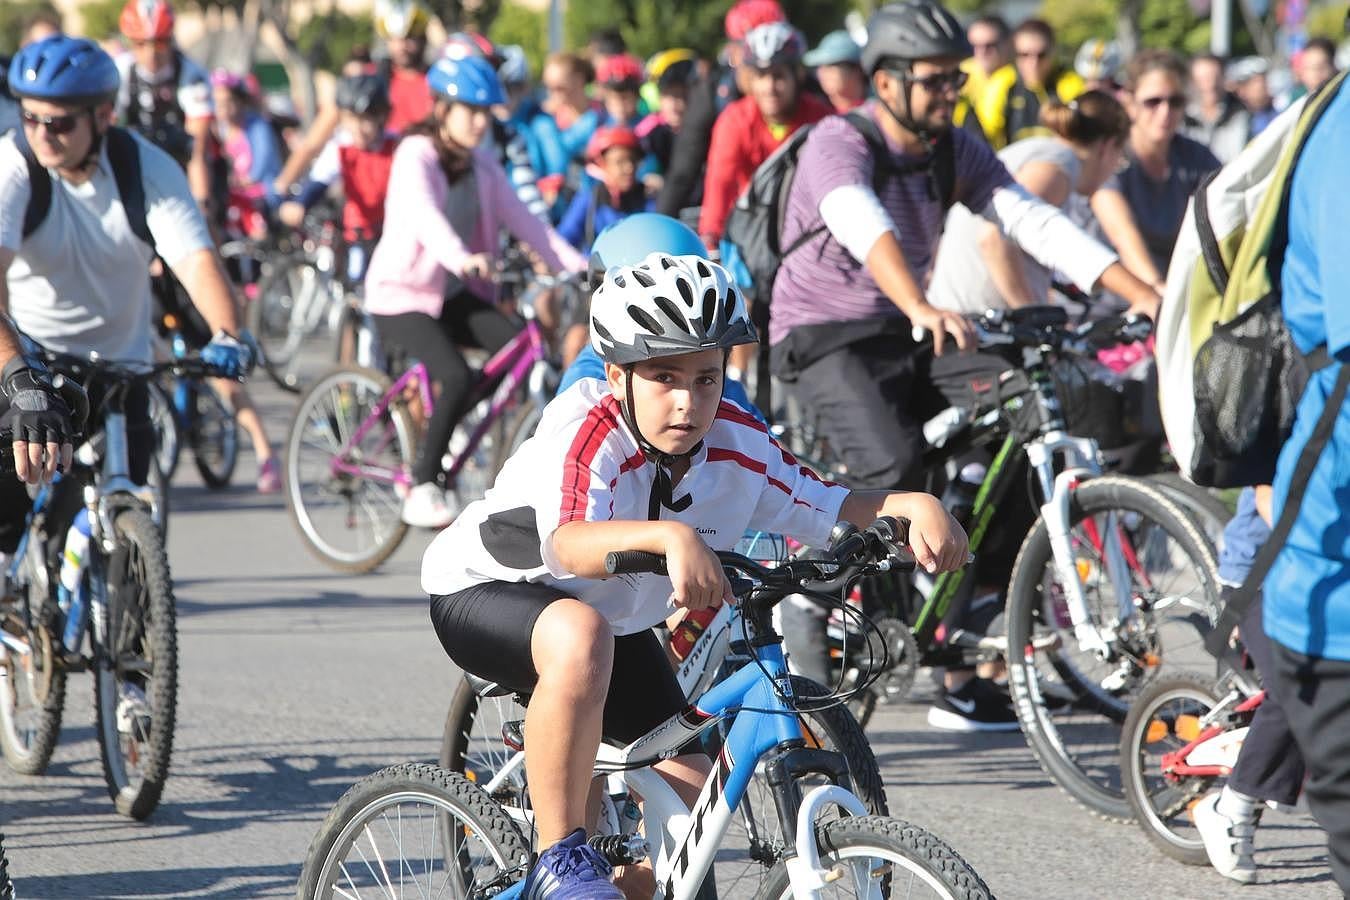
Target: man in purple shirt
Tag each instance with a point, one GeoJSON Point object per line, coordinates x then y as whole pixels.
{"type": "Point", "coordinates": [844, 302]}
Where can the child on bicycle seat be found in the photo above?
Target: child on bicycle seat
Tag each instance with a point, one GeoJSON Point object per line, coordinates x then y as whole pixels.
{"type": "Point", "coordinates": [652, 458]}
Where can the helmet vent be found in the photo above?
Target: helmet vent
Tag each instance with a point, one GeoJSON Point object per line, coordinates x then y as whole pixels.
{"type": "Point", "coordinates": [686, 292]}
{"type": "Point", "coordinates": [619, 282]}
{"type": "Point", "coordinates": [602, 331]}
{"type": "Point", "coordinates": [671, 311]}
{"type": "Point", "coordinates": [709, 309]}
{"type": "Point", "coordinates": [703, 270]}
{"type": "Point", "coordinates": [729, 307]}
{"type": "Point", "coordinates": [667, 262]}
{"type": "Point", "coordinates": [643, 278]}
{"type": "Point", "coordinates": [644, 319]}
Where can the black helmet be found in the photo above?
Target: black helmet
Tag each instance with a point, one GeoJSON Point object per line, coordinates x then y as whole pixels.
{"type": "Point", "coordinates": [914, 29]}
{"type": "Point", "coordinates": [365, 95]}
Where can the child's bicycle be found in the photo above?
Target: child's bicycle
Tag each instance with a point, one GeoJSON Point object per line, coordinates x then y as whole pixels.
{"type": "Point", "coordinates": [422, 829]}
{"type": "Point", "coordinates": [484, 727]}
{"type": "Point", "coordinates": [1183, 734]}
{"type": "Point", "coordinates": [355, 435]}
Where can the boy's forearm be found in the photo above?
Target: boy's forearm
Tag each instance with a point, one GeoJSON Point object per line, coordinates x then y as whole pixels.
{"type": "Point", "coordinates": [581, 547]}
{"type": "Point", "coordinates": [862, 508]}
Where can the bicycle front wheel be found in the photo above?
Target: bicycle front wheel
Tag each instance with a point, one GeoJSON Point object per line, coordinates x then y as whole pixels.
{"type": "Point", "coordinates": [284, 314]}
{"type": "Point", "coordinates": [214, 436]}
{"type": "Point", "coordinates": [876, 856]}
{"type": "Point", "coordinates": [346, 467]}
{"type": "Point", "coordinates": [417, 831]}
{"type": "Point", "coordinates": [1149, 580]}
{"type": "Point", "coordinates": [136, 671]}
{"type": "Point", "coordinates": [1167, 717]}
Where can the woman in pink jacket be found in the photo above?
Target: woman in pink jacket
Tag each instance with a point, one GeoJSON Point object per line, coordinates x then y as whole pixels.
{"type": "Point", "coordinates": [427, 284]}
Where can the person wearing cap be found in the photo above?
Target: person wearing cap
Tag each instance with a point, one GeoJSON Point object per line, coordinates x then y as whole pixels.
{"type": "Point", "coordinates": [1214, 116]}
{"type": "Point", "coordinates": [835, 63]}
{"type": "Point", "coordinates": [753, 127]}
{"type": "Point", "coordinates": [1098, 63]}
{"type": "Point", "coordinates": [1011, 105]}
{"type": "Point", "coordinates": [671, 72]}
{"type": "Point", "coordinates": [708, 97]}
{"type": "Point", "coordinates": [609, 195]}
{"type": "Point", "coordinates": [1249, 78]}
{"type": "Point", "coordinates": [618, 79]}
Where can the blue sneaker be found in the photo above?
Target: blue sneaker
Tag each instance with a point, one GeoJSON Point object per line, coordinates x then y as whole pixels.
{"type": "Point", "coordinates": [571, 870]}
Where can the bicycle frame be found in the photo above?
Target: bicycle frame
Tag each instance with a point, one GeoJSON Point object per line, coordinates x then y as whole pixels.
{"type": "Point", "coordinates": [503, 374]}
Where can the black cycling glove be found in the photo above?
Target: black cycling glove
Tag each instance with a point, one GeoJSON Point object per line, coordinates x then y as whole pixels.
{"type": "Point", "coordinates": [36, 411]}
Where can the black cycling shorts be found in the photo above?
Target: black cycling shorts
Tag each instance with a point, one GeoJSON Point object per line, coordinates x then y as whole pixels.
{"type": "Point", "coordinates": [486, 630]}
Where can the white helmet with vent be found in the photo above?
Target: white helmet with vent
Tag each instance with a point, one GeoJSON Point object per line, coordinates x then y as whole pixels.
{"type": "Point", "coordinates": [665, 306]}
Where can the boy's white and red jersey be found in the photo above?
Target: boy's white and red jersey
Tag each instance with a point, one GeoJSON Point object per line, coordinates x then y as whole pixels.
{"type": "Point", "coordinates": [583, 464]}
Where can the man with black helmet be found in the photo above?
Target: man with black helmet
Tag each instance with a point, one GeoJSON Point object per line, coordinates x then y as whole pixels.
{"type": "Point", "coordinates": [848, 293]}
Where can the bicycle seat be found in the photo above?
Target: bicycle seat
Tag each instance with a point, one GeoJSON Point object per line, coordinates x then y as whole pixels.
{"type": "Point", "coordinates": [484, 688]}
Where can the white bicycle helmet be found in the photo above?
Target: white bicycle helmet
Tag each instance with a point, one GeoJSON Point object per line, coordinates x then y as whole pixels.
{"type": "Point", "coordinates": [1098, 60]}
{"type": "Point", "coordinates": [773, 44]}
{"type": "Point", "coordinates": [665, 306]}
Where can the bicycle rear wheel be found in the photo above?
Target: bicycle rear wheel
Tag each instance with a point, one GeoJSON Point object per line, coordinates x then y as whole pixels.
{"type": "Point", "coordinates": [6, 886]}
{"type": "Point", "coordinates": [214, 436]}
{"type": "Point", "coordinates": [136, 671]}
{"type": "Point", "coordinates": [344, 492]}
{"type": "Point", "coordinates": [1167, 717]}
{"type": "Point", "coordinates": [884, 857]}
{"type": "Point", "coordinates": [1070, 700]}
{"type": "Point", "coordinates": [32, 686]}
{"type": "Point", "coordinates": [1209, 512]}
{"type": "Point", "coordinates": [413, 830]}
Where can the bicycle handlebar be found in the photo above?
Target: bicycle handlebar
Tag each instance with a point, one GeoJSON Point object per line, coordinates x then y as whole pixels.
{"type": "Point", "coordinates": [881, 546]}
{"type": "Point", "coordinates": [1047, 327]}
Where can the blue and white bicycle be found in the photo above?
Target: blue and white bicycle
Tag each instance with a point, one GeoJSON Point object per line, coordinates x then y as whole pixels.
{"type": "Point", "coordinates": [421, 830]}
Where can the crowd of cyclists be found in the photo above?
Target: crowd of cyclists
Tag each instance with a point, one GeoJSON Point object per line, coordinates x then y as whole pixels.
{"type": "Point", "coordinates": [948, 169]}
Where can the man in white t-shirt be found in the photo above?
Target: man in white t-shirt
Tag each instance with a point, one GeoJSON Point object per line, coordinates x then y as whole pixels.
{"type": "Point", "coordinates": [76, 281]}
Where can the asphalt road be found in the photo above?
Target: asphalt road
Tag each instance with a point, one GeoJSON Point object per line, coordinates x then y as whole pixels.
{"type": "Point", "coordinates": [297, 680]}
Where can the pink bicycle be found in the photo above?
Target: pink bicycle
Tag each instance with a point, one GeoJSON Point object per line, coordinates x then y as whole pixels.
{"type": "Point", "coordinates": [356, 432]}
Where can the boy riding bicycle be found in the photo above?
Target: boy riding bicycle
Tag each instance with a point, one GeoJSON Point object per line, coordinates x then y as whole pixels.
{"type": "Point", "coordinates": [651, 459]}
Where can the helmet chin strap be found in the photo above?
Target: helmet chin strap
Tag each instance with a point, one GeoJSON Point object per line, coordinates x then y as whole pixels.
{"type": "Point", "coordinates": [95, 145]}
{"type": "Point", "coordinates": [907, 121]}
{"type": "Point", "coordinates": [663, 488]}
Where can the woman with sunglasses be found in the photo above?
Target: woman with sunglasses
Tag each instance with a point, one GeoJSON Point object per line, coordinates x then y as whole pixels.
{"type": "Point", "coordinates": [1141, 207]}
{"type": "Point", "coordinates": [428, 284]}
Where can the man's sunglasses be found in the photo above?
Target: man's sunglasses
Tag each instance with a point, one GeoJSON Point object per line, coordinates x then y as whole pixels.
{"type": "Point", "coordinates": [1174, 101]}
{"type": "Point", "coordinates": [939, 81]}
{"type": "Point", "coordinates": [57, 125]}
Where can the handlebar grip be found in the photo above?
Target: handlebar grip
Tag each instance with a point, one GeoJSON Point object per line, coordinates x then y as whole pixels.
{"type": "Point", "coordinates": [891, 529]}
{"type": "Point", "coordinates": [634, 562]}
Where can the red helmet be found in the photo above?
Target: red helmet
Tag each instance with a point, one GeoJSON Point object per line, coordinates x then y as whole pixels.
{"type": "Point", "coordinates": [748, 14]}
{"type": "Point", "coordinates": [463, 44]}
{"type": "Point", "coordinates": [607, 137]}
{"type": "Point", "coordinates": [147, 20]}
{"type": "Point", "coordinates": [624, 70]}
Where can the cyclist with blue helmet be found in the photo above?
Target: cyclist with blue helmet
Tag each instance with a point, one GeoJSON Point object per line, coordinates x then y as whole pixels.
{"type": "Point", "coordinates": [428, 284]}
{"type": "Point", "coordinates": [77, 280]}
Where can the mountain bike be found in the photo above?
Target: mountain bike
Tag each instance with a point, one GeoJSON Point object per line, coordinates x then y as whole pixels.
{"type": "Point", "coordinates": [1182, 735]}
{"type": "Point", "coordinates": [6, 885]}
{"type": "Point", "coordinates": [355, 435]}
{"type": "Point", "coordinates": [122, 602]}
{"type": "Point", "coordinates": [484, 734]}
{"type": "Point", "coordinates": [872, 855]}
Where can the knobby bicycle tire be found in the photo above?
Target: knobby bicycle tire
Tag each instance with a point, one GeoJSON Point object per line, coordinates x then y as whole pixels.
{"type": "Point", "coordinates": [6, 886]}
{"type": "Point", "coordinates": [902, 846]}
{"type": "Point", "coordinates": [1083, 758]}
{"type": "Point", "coordinates": [1182, 844]}
{"type": "Point", "coordinates": [482, 818]}
{"type": "Point", "coordinates": [141, 634]}
{"type": "Point", "coordinates": [356, 380]}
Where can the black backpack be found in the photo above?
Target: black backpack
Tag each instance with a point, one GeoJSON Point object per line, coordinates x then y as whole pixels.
{"type": "Point", "coordinates": [125, 158]}
{"type": "Point", "coordinates": [755, 225]}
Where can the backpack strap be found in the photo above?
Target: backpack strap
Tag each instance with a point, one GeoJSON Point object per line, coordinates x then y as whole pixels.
{"type": "Point", "coordinates": [39, 187]}
{"type": "Point", "coordinates": [125, 158]}
{"type": "Point", "coordinates": [1216, 642]}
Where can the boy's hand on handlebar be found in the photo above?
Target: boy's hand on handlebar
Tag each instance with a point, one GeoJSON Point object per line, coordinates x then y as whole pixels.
{"type": "Point", "coordinates": [479, 265]}
{"type": "Point", "coordinates": [938, 540]}
{"type": "Point", "coordinates": [696, 574]}
{"type": "Point", "coordinates": [940, 323]}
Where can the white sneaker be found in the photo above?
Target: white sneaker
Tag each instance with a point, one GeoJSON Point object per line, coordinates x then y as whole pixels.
{"type": "Point", "coordinates": [426, 507]}
{"type": "Point", "coordinates": [1228, 842]}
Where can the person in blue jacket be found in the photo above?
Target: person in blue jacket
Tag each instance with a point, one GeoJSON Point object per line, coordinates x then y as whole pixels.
{"type": "Point", "coordinates": [625, 244]}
